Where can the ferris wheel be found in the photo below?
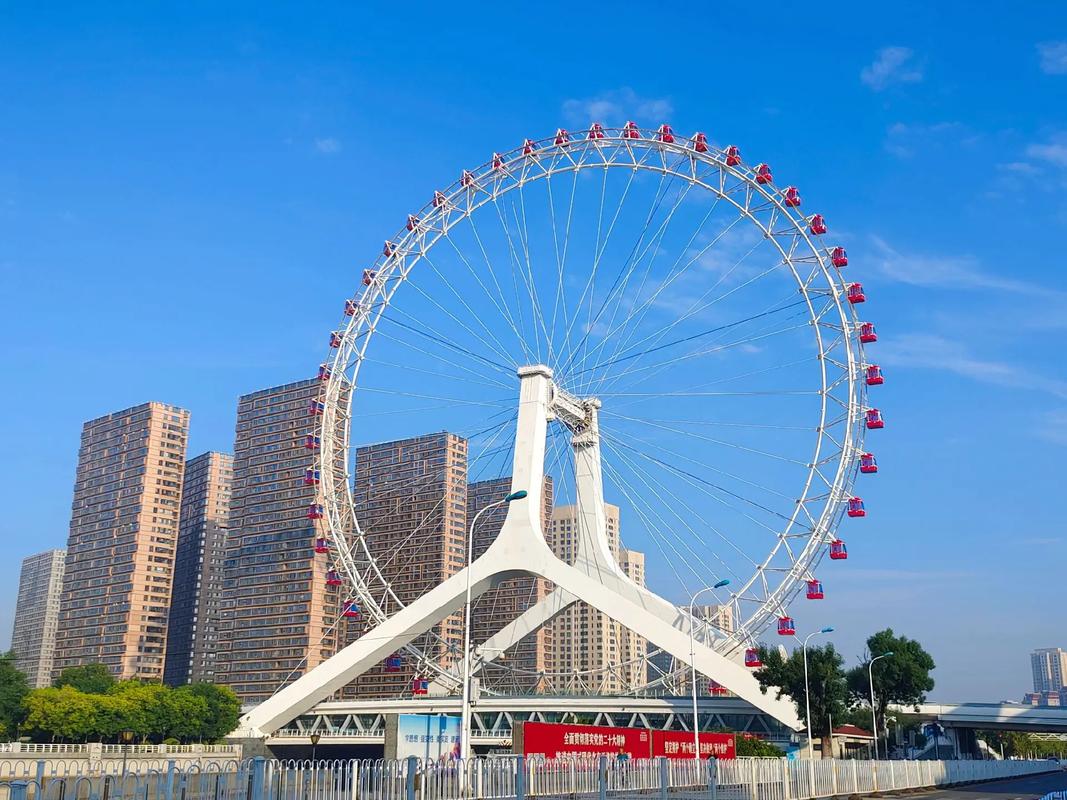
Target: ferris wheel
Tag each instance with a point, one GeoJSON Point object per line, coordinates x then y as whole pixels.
{"type": "Point", "coordinates": [673, 298]}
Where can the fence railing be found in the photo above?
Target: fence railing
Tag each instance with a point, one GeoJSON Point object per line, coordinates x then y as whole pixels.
{"type": "Point", "coordinates": [501, 778]}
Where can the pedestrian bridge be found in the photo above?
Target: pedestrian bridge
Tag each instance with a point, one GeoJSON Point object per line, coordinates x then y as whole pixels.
{"type": "Point", "coordinates": [991, 716]}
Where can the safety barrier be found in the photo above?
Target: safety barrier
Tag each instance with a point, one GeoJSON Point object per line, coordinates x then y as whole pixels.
{"type": "Point", "coordinates": [502, 778]}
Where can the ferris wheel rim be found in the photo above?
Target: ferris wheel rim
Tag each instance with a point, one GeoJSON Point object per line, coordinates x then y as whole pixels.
{"type": "Point", "coordinates": [359, 328]}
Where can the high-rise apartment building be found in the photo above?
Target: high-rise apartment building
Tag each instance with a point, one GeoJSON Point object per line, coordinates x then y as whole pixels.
{"type": "Point", "coordinates": [33, 640]}
{"type": "Point", "coordinates": [411, 502]}
{"type": "Point", "coordinates": [1049, 667]}
{"type": "Point", "coordinates": [522, 667]}
{"type": "Point", "coordinates": [193, 625]}
{"type": "Point", "coordinates": [591, 652]}
{"type": "Point", "coordinates": [279, 618]}
{"type": "Point", "coordinates": [123, 531]}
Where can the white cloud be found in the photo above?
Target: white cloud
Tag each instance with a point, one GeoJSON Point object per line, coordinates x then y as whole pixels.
{"type": "Point", "coordinates": [958, 272]}
{"type": "Point", "coordinates": [1054, 152]}
{"type": "Point", "coordinates": [1053, 57]}
{"type": "Point", "coordinates": [892, 66]}
{"type": "Point", "coordinates": [929, 351]}
{"type": "Point", "coordinates": [615, 107]}
{"type": "Point", "coordinates": [328, 145]}
{"type": "Point", "coordinates": [1053, 427]}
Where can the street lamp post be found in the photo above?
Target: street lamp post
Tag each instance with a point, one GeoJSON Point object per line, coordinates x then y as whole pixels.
{"type": "Point", "coordinates": [314, 745]}
{"type": "Point", "coordinates": [127, 737]}
{"type": "Point", "coordinates": [874, 717]}
{"type": "Point", "coordinates": [465, 733]}
{"type": "Point", "coordinates": [693, 659]}
{"type": "Point", "coordinates": [807, 688]}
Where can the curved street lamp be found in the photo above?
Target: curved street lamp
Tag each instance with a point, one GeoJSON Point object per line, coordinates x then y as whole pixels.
{"type": "Point", "coordinates": [807, 688]}
{"type": "Point", "coordinates": [693, 659]}
{"type": "Point", "coordinates": [874, 718]}
{"type": "Point", "coordinates": [465, 734]}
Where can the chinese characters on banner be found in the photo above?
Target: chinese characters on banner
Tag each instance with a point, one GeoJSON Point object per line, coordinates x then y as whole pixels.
{"type": "Point", "coordinates": [550, 741]}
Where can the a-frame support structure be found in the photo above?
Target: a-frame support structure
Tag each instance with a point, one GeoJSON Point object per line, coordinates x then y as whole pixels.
{"type": "Point", "coordinates": [520, 550]}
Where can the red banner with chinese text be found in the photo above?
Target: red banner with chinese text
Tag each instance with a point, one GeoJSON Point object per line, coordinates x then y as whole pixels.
{"type": "Point", "coordinates": [679, 744]}
{"type": "Point", "coordinates": [552, 740]}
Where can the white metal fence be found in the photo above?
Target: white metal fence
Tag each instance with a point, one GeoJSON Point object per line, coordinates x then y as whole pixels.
{"type": "Point", "coordinates": [502, 778]}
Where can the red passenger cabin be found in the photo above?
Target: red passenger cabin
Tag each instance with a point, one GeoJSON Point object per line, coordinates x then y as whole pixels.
{"type": "Point", "coordinates": [420, 686]}
{"type": "Point", "coordinates": [439, 198]}
{"type": "Point", "coordinates": [752, 658]}
{"type": "Point", "coordinates": [838, 257]}
{"type": "Point", "coordinates": [321, 545]}
{"type": "Point", "coordinates": [315, 511]}
{"type": "Point", "coordinates": [324, 372]}
{"type": "Point", "coordinates": [596, 131]}
{"type": "Point", "coordinates": [855, 293]}
{"type": "Point", "coordinates": [792, 196]}
{"type": "Point", "coordinates": [413, 222]}
{"type": "Point", "coordinates": [817, 225]}
{"type": "Point", "coordinates": [868, 333]}
{"type": "Point", "coordinates": [335, 339]}
{"type": "Point", "coordinates": [763, 174]}
{"type": "Point", "coordinates": [311, 477]}
{"type": "Point", "coordinates": [786, 626]}
{"type": "Point", "coordinates": [855, 507]}
{"type": "Point", "coordinates": [733, 155]}
{"type": "Point", "coordinates": [388, 248]}
{"type": "Point", "coordinates": [312, 442]}
{"type": "Point", "coordinates": [333, 578]}
{"type": "Point", "coordinates": [838, 551]}
{"type": "Point", "coordinates": [874, 375]}
{"type": "Point", "coordinates": [815, 591]}
{"type": "Point", "coordinates": [528, 147]}
{"type": "Point", "coordinates": [630, 131]}
{"type": "Point", "coordinates": [368, 276]}
{"type": "Point", "coordinates": [868, 464]}
{"type": "Point", "coordinates": [350, 609]}
{"type": "Point", "coordinates": [716, 689]}
{"type": "Point", "coordinates": [394, 663]}
{"type": "Point", "coordinates": [700, 142]}
{"type": "Point", "coordinates": [498, 161]}
{"type": "Point", "coordinates": [874, 419]}
{"type": "Point", "coordinates": [562, 137]}
{"type": "Point", "coordinates": [351, 307]}
{"type": "Point", "coordinates": [467, 178]}
{"type": "Point", "coordinates": [665, 134]}
{"type": "Point", "coordinates": [316, 407]}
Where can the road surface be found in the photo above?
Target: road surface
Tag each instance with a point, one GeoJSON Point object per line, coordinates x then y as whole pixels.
{"type": "Point", "coordinates": [1025, 788]}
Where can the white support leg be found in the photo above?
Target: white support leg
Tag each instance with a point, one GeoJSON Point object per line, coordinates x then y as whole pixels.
{"type": "Point", "coordinates": [520, 549]}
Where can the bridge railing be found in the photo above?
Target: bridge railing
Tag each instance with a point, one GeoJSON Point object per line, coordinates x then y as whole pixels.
{"type": "Point", "coordinates": [503, 778]}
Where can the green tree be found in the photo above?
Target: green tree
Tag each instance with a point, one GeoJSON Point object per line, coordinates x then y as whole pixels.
{"type": "Point", "coordinates": [61, 713]}
{"type": "Point", "coordinates": [88, 678]}
{"type": "Point", "coordinates": [224, 710]}
{"type": "Point", "coordinates": [187, 714]}
{"type": "Point", "coordinates": [145, 709]}
{"type": "Point", "coordinates": [900, 679]}
{"type": "Point", "coordinates": [13, 690]}
{"type": "Point", "coordinates": [829, 692]}
{"type": "Point", "coordinates": [755, 747]}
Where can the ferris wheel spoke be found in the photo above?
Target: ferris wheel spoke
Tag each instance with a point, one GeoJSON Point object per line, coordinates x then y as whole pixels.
{"type": "Point", "coordinates": [593, 321]}
{"type": "Point", "coordinates": [710, 439]}
{"type": "Point", "coordinates": [560, 299]}
{"type": "Point", "coordinates": [451, 376]}
{"type": "Point", "coordinates": [419, 328]}
{"type": "Point", "coordinates": [536, 317]}
{"type": "Point", "coordinates": [498, 346]}
{"type": "Point", "coordinates": [589, 290]}
{"type": "Point", "coordinates": [709, 487]}
{"type": "Point", "coordinates": [437, 357]}
{"type": "Point", "coordinates": [653, 248]}
{"type": "Point", "coordinates": [520, 326]}
{"type": "Point", "coordinates": [674, 273]}
{"type": "Point", "coordinates": [659, 491]}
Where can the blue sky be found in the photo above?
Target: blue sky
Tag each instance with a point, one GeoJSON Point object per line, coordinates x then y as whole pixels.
{"type": "Point", "coordinates": [185, 196]}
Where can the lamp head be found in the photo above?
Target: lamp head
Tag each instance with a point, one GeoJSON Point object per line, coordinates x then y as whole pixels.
{"type": "Point", "coordinates": [720, 584]}
{"type": "Point", "coordinates": [827, 629]}
{"type": "Point", "coordinates": [315, 737]}
{"type": "Point", "coordinates": [519, 495]}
